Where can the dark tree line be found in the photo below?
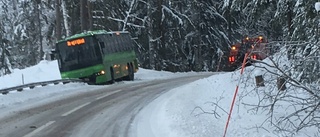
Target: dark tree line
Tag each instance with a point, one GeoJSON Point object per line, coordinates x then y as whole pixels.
{"type": "Point", "coordinates": [173, 35]}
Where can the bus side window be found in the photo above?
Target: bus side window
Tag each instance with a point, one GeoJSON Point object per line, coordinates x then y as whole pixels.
{"type": "Point", "coordinates": [120, 41]}
{"type": "Point", "coordinates": [105, 44]}
{"type": "Point", "coordinates": [125, 42]}
{"type": "Point", "coordinates": [116, 41]}
{"type": "Point", "coordinates": [129, 43]}
{"type": "Point", "coordinates": [97, 50]}
{"type": "Point", "coordinates": [103, 47]}
{"type": "Point", "coordinates": [109, 43]}
{"type": "Point", "coordinates": [100, 43]}
{"type": "Point", "coordinates": [113, 44]}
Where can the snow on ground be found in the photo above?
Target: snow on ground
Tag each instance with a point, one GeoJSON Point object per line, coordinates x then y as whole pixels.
{"type": "Point", "coordinates": [48, 70]}
{"type": "Point", "coordinates": [198, 109]}
{"type": "Point", "coordinates": [44, 71]}
{"type": "Point", "coordinates": [317, 6]}
{"type": "Point", "coordinates": [201, 109]}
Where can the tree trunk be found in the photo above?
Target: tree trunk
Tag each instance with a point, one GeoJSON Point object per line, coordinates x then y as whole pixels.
{"type": "Point", "coordinates": [58, 20]}
{"type": "Point", "coordinates": [3, 58]}
{"type": "Point", "coordinates": [90, 20]}
{"type": "Point", "coordinates": [40, 30]}
{"type": "Point", "coordinates": [84, 15]}
{"type": "Point", "coordinates": [151, 40]}
{"type": "Point", "coordinates": [160, 43]}
{"type": "Point", "coordinates": [65, 18]}
{"type": "Point", "coordinates": [289, 16]}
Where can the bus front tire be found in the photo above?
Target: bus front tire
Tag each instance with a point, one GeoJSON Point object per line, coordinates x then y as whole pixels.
{"type": "Point", "coordinates": [112, 76]}
{"type": "Point", "coordinates": [130, 75]}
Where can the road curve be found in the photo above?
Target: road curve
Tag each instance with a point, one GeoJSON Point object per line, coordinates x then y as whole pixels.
{"type": "Point", "coordinates": [107, 112]}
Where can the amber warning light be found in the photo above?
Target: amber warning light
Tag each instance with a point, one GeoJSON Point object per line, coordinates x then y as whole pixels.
{"type": "Point", "coordinates": [75, 42]}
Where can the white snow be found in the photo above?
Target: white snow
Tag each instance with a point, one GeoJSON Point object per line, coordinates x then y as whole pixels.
{"type": "Point", "coordinates": [44, 71]}
{"type": "Point", "coordinates": [198, 109]}
{"type": "Point", "coordinates": [317, 6]}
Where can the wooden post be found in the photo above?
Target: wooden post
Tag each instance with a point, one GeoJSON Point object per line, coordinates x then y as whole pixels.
{"type": "Point", "coordinates": [281, 83]}
{"type": "Point", "coordinates": [22, 79]}
{"type": "Point", "coordinates": [259, 81]}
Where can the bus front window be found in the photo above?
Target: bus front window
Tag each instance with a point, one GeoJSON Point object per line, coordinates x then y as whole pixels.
{"type": "Point", "coordinates": [78, 56]}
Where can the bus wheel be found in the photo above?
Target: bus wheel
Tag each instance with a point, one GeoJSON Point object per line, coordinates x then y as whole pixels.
{"type": "Point", "coordinates": [112, 76]}
{"type": "Point", "coordinates": [131, 72]}
{"type": "Point", "coordinates": [130, 75]}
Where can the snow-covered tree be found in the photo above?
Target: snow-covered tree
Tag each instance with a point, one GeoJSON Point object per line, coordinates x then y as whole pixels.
{"type": "Point", "coordinates": [169, 35]}
{"type": "Point", "coordinates": [24, 25]}
{"type": "Point", "coordinates": [5, 64]}
{"type": "Point", "coordinates": [304, 29]}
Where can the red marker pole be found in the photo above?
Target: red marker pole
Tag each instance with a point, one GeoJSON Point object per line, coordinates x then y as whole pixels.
{"type": "Point", "coordinates": [235, 94]}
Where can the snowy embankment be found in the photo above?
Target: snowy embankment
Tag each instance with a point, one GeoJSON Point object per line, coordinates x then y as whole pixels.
{"type": "Point", "coordinates": [201, 108]}
{"type": "Point", "coordinates": [48, 70]}
{"type": "Point", "coordinates": [44, 71]}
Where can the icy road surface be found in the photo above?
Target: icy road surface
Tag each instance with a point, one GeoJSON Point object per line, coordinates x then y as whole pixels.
{"type": "Point", "coordinates": [106, 111]}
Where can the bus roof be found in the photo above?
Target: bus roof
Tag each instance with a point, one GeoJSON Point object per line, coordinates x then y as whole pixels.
{"type": "Point", "coordinates": [90, 33]}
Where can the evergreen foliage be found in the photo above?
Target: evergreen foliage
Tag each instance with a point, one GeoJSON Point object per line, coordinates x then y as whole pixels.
{"type": "Point", "coordinates": [169, 34]}
{"type": "Point", "coordinates": [172, 35]}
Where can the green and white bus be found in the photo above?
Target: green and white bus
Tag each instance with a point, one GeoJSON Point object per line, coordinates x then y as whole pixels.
{"type": "Point", "coordinates": [97, 57]}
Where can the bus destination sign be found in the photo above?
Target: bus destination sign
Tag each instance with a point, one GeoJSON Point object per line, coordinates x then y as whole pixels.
{"type": "Point", "coordinates": [75, 42]}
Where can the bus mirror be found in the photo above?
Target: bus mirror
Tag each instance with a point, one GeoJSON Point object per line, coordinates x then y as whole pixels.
{"type": "Point", "coordinates": [53, 51]}
{"type": "Point", "coordinates": [52, 56]}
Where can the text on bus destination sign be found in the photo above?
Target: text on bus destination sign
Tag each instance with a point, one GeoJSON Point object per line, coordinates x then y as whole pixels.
{"type": "Point", "coordinates": [75, 42]}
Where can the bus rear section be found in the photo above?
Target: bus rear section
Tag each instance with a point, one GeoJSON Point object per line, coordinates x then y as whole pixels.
{"type": "Point", "coordinates": [96, 57]}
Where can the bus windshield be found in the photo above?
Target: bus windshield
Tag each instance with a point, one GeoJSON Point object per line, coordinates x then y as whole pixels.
{"type": "Point", "coordinates": [78, 53]}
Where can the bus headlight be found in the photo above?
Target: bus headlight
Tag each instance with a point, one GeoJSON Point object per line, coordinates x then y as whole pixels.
{"type": "Point", "coordinates": [102, 72]}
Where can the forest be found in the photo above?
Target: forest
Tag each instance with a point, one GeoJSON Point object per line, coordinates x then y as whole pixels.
{"type": "Point", "coordinates": [171, 35]}
{"type": "Point", "coordinates": [180, 36]}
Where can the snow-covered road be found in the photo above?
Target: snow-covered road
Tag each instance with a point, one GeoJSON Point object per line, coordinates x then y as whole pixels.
{"type": "Point", "coordinates": [106, 111]}
{"type": "Point", "coordinates": [198, 109]}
